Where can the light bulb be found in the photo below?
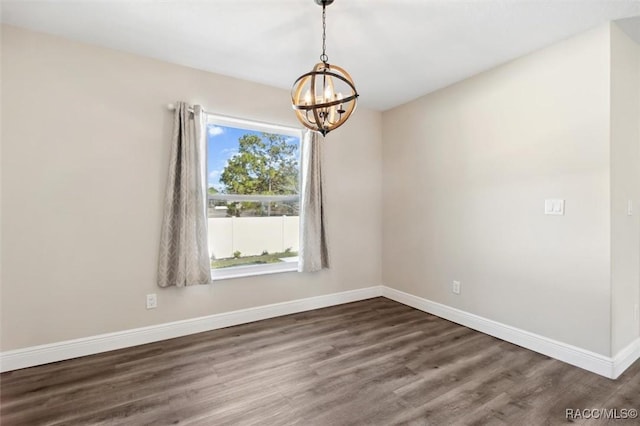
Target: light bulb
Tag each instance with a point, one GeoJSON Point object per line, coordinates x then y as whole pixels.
{"type": "Point", "coordinates": [307, 97]}
{"type": "Point", "coordinates": [328, 94]}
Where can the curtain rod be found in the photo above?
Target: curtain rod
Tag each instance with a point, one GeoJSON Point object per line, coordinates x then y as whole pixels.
{"type": "Point", "coordinates": [172, 107]}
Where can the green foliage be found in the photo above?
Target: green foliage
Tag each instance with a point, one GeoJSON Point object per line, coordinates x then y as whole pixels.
{"type": "Point", "coordinates": [265, 165]}
{"type": "Point", "coordinates": [237, 254]}
{"type": "Point", "coordinates": [234, 209]}
{"type": "Point", "coordinates": [264, 252]}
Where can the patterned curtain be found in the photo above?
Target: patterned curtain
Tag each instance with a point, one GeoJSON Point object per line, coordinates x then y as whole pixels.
{"type": "Point", "coordinates": [184, 253]}
{"type": "Point", "coordinates": [313, 240]}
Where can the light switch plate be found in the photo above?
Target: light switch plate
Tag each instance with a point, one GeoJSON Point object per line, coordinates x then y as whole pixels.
{"type": "Point", "coordinates": [554, 207]}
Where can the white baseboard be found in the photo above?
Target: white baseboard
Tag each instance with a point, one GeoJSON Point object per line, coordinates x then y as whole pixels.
{"type": "Point", "coordinates": [626, 357]}
{"type": "Point", "coordinates": [610, 367]}
{"type": "Point", "coordinates": [44, 354]}
{"type": "Point", "coordinates": [591, 361]}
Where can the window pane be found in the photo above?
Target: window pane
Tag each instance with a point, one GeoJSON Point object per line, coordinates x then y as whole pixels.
{"type": "Point", "coordinates": [253, 206]}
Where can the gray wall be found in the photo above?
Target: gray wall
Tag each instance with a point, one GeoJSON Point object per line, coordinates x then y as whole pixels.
{"type": "Point", "coordinates": [85, 141]}
{"type": "Point", "coordinates": [625, 186]}
{"type": "Point", "coordinates": [466, 171]}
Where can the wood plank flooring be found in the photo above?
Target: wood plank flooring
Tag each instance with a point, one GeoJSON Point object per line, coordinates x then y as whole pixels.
{"type": "Point", "coordinates": [374, 362]}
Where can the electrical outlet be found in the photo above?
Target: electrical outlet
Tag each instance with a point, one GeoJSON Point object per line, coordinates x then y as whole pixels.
{"type": "Point", "coordinates": [152, 301]}
{"type": "Point", "coordinates": [455, 287]}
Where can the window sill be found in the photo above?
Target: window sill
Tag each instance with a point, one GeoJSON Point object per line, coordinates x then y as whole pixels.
{"type": "Point", "coordinates": [253, 270]}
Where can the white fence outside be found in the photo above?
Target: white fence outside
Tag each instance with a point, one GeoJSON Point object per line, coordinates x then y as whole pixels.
{"type": "Point", "coordinates": [252, 235]}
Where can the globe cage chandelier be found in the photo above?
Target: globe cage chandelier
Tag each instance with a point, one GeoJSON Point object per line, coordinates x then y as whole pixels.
{"type": "Point", "coordinates": [324, 98]}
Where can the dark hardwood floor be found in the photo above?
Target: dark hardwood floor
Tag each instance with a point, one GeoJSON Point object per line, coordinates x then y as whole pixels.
{"type": "Point", "coordinates": [373, 362]}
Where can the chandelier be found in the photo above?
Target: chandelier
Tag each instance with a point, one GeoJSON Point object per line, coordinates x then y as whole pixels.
{"type": "Point", "coordinates": [324, 98]}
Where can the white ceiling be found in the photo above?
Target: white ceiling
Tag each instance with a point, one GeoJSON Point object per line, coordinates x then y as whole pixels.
{"type": "Point", "coordinates": [396, 50]}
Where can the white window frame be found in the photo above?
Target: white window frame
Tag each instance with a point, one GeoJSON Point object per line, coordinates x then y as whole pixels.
{"type": "Point", "coordinates": [272, 268]}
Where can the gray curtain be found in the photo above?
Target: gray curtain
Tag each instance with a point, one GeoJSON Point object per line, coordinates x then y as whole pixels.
{"type": "Point", "coordinates": [313, 252]}
{"type": "Point", "coordinates": [184, 253]}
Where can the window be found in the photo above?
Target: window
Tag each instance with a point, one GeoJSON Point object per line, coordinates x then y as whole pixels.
{"type": "Point", "coordinates": [253, 181]}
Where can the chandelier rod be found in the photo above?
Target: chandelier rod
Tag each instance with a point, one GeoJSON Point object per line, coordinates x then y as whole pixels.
{"type": "Point", "coordinates": [324, 58]}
